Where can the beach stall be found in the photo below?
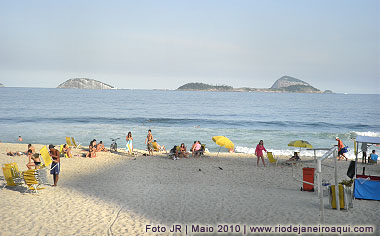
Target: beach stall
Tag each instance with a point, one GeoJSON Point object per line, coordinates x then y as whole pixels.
{"type": "Point", "coordinates": [365, 186]}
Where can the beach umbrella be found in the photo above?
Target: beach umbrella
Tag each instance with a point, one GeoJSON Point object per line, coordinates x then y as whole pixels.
{"type": "Point", "coordinates": [223, 142]}
{"type": "Point", "coordinates": [300, 144]}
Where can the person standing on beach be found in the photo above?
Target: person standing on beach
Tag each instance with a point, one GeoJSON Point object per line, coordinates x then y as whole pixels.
{"type": "Point", "coordinates": [149, 142]}
{"type": "Point", "coordinates": [129, 145]}
{"type": "Point", "coordinates": [364, 148]}
{"type": "Point", "coordinates": [340, 149]}
{"type": "Point", "coordinates": [259, 152]}
{"type": "Point", "coordinates": [55, 166]}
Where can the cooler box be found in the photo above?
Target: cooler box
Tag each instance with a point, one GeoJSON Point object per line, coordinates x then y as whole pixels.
{"type": "Point", "coordinates": [308, 176]}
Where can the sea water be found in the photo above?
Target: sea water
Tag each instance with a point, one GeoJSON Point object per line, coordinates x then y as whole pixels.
{"type": "Point", "coordinates": [42, 115]}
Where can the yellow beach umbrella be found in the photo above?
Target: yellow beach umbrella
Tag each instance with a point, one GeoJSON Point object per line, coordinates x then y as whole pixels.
{"type": "Point", "coordinates": [300, 144]}
{"type": "Point", "coordinates": [223, 142]}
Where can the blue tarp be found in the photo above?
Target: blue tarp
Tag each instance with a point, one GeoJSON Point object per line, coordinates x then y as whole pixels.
{"type": "Point", "coordinates": [367, 189]}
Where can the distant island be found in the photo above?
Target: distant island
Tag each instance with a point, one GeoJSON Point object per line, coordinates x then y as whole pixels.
{"type": "Point", "coordinates": [84, 83]}
{"type": "Point", "coordinates": [285, 84]}
{"type": "Point", "coordinates": [1, 85]}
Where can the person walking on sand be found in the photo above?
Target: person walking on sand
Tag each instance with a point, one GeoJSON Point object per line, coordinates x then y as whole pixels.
{"type": "Point", "coordinates": [149, 142]}
{"type": "Point", "coordinates": [55, 166]}
{"type": "Point", "coordinates": [340, 149]}
{"type": "Point", "coordinates": [259, 152]}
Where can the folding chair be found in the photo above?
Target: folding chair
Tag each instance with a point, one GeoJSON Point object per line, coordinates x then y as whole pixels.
{"type": "Point", "coordinates": [75, 144]}
{"type": "Point", "coordinates": [68, 141]}
{"type": "Point", "coordinates": [32, 181]}
{"type": "Point", "coordinates": [271, 158]}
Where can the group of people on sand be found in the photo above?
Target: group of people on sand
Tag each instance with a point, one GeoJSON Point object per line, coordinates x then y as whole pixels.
{"type": "Point", "coordinates": [93, 148]}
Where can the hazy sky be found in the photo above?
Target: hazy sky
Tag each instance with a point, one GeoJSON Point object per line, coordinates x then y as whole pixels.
{"type": "Point", "coordinates": [164, 44]}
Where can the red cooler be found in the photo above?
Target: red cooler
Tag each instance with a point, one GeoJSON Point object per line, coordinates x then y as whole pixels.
{"type": "Point", "coordinates": [308, 176]}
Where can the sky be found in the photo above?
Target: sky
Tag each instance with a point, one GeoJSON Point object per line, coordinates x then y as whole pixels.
{"type": "Point", "coordinates": [164, 44]}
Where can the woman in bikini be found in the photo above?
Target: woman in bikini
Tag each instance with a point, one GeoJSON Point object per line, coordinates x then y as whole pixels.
{"type": "Point", "coordinates": [36, 160]}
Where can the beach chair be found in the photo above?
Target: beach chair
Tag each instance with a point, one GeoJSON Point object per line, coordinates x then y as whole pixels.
{"type": "Point", "coordinates": [68, 141]}
{"type": "Point", "coordinates": [16, 174]}
{"type": "Point", "coordinates": [271, 158]}
{"type": "Point", "coordinates": [45, 156]}
{"type": "Point", "coordinates": [74, 143]}
{"type": "Point", "coordinates": [32, 181]}
{"type": "Point", "coordinates": [10, 181]}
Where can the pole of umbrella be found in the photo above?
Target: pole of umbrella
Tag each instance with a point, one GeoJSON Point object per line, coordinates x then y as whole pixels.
{"type": "Point", "coordinates": [218, 151]}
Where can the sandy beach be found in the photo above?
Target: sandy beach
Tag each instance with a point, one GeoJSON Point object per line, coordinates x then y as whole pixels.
{"type": "Point", "coordinates": [117, 194]}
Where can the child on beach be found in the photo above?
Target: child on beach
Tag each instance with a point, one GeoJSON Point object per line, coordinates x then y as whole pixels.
{"type": "Point", "coordinates": [259, 152]}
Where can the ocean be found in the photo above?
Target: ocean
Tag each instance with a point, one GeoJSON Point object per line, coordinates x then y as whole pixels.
{"type": "Point", "coordinates": [47, 115]}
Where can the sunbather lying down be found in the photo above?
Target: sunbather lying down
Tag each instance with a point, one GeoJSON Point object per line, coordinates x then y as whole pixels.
{"type": "Point", "coordinates": [295, 157]}
{"type": "Point", "coordinates": [10, 153]}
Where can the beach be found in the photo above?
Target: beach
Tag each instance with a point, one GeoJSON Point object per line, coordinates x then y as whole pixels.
{"type": "Point", "coordinates": [117, 194]}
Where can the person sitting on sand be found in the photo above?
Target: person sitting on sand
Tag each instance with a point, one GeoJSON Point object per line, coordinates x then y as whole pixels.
{"type": "Point", "coordinates": [183, 151]}
{"type": "Point", "coordinates": [174, 152]}
{"type": "Point", "coordinates": [30, 146]}
{"type": "Point", "coordinates": [66, 150]}
{"type": "Point", "coordinates": [91, 150]}
{"type": "Point", "coordinates": [157, 147]}
{"type": "Point", "coordinates": [295, 157]}
{"type": "Point", "coordinates": [94, 145]}
{"type": "Point", "coordinates": [100, 147]}
{"type": "Point", "coordinates": [196, 149]}
{"type": "Point", "coordinates": [36, 160]}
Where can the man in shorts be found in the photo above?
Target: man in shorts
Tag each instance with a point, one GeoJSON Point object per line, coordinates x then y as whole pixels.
{"type": "Point", "coordinates": [55, 166]}
{"type": "Point", "coordinates": [341, 155]}
{"type": "Point", "coordinates": [149, 142]}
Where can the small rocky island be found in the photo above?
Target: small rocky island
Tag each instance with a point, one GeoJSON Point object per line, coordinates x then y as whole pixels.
{"type": "Point", "coordinates": [84, 83]}
{"type": "Point", "coordinates": [1, 85]}
{"type": "Point", "coordinates": [285, 84]}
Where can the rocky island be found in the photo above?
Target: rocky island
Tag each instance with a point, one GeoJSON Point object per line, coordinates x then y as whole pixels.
{"type": "Point", "coordinates": [286, 84]}
{"type": "Point", "coordinates": [1, 85]}
{"type": "Point", "coordinates": [84, 83]}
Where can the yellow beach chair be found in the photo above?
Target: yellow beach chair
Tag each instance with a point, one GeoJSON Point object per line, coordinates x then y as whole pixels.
{"type": "Point", "coordinates": [271, 158]}
{"type": "Point", "coordinates": [74, 143]}
{"type": "Point", "coordinates": [10, 181]}
{"type": "Point", "coordinates": [32, 180]}
{"type": "Point", "coordinates": [16, 174]}
{"type": "Point", "coordinates": [45, 156]}
{"type": "Point", "coordinates": [68, 141]}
